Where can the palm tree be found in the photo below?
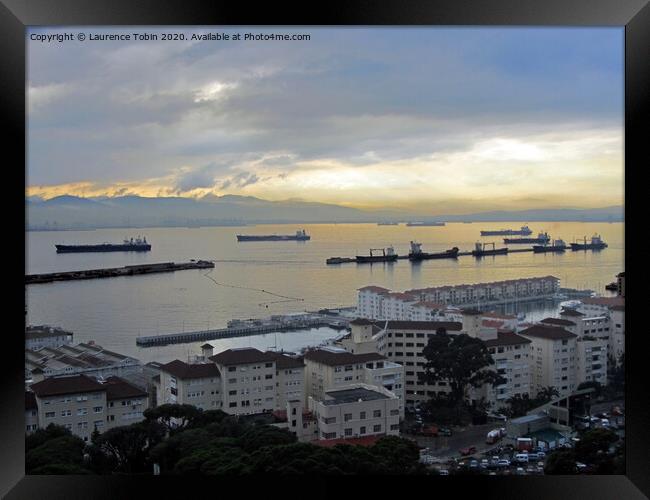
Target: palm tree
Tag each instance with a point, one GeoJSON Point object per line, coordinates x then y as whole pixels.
{"type": "Point", "coordinates": [546, 394]}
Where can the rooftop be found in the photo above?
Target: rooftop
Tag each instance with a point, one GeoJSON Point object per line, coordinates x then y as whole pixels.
{"type": "Point", "coordinates": [344, 396]}
{"type": "Point", "coordinates": [506, 338]}
{"type": "Point", "coordinates": [242, 356]}
{"type": "Point", "coordinates": [570, 312]}
{"type": "Point", "coordinates": [605, 301]}
{"type": "Point", "coordinates": [421, 325]}
{"type": "Point", "coordinates": [184, 370]}
{"type": "Point", "coordinates": [332, 358]}
{"type": "Point", "coordinates": [283, 362]}
{"type": "Point", "coordinates": [361, 322]}
{"type": "Point", "coordinates": [547, 332]}
{"type": "Point", "coordinates": [75, 384]}
{"type": "Point", "coordinates": [118, 388]}
{"type": "Point", "coordinates": [44, 331]}
{"type": "Point", "coordinates": [558, 321]}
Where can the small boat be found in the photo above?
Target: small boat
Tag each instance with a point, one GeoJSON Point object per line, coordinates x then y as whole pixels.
{"type": "Point", "coordinates": [387, 255]}
{"type": "Point", "coordinates": [416, 253]}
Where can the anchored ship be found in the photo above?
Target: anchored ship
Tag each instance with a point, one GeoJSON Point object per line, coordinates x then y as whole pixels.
{"type": "Point", "coordinates": [557, 246]}
{"type": "Point", "coordinates": [524, 231]}
{"type": "Point", "coordinates": [416, 253]}
{"type": "Point", "coordinates": [417, 224]}
{"type": "Point", "coordinates": [388, 223]}
{"type": "Point", "coordinates": [542, 238]}
{"type": "Point", "coordinates": [480, 250]}
{"type": "Point", "coordinates": [132, 245]}
{"type": "Point", "coordinates": [596, 244]}
{"type": "Point", "coordinates": [387, 255]}
{"type": "Point", "coordinates": [300, 235]}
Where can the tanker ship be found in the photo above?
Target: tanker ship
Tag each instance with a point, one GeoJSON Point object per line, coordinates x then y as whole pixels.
{"type": "Point", "coordinates": [137, 245]}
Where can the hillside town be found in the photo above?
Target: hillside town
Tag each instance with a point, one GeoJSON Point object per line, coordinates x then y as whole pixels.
{"type": "Point", "coordinates": [537, 391]}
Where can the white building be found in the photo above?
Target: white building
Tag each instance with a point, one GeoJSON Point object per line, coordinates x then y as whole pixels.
{"type": "Point", "coordinates": [37, 337]}
{"type": "Point", "coordinates": [356, 411]}
{"type": "Point", "coordinates": [553, 358]}
{"type": "Point", "coordinates": [82, 404]}
{"type": "Point", "coordinates": [197, 384]}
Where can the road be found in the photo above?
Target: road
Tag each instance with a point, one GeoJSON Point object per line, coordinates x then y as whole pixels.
{"type": "Point", "coordinates": [463, 437]}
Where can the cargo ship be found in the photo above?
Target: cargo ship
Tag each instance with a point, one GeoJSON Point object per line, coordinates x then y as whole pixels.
{"type": "Point", "coordinates": [300, 235]}
{"type": "Point", "coordinates": [596, 244]}
{"type": "Point", "coordinates": [137, 245]}
{"type": "Point", "coordinates": [418, 224]}
{"type": "Point", "coordinates": [557, 246]}
{"type": "Point", "coordinates": [480, 250]}
{"type": "Point", "coordinates": [388, 223]}
{"type": "Point", "coordinates": [524, 231]}
{"type": "Point", "coordinates": [417, 254]}
{"type": "Point", "coordinates": [542, 238]}
{"type": "Point", "coordinates": [387, 255]}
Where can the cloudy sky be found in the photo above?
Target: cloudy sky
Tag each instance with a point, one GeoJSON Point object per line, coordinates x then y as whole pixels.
{"type": "Point", "coordinates": [447, 120]}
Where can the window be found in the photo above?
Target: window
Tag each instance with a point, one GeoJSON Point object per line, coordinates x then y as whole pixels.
{"type": "Point", "coordinates": [232, 380]}
{"type": "Point", "coordinates": [232, 368]}
{"type": "Point", "coordinates": [82, 411]}
{"type": "Point", "coordinates": [362, 430]}
{"type": "Point", "coordinates": [269, 376]}
{"type": "Point", "coordinates": [348, 432]}
{"type": "Point", "coordinates": [376, 428]}
{"type": "Point", "coordinates": [362, 416]}
{"type": "Point", "coordinates": [376, 413]}
{"type": "Point", "coordinates": [268, 365]}
{"type": "Point", "coordinates": [233, 404]}
{"type": "Point", "coordinates": [98, 409]}
{"type": "Point", "coordinates": [66, 413]}
{"type": "Point", "coordinates": [347, 417]}
{"type": "Point", "coordinates": [50, 414]}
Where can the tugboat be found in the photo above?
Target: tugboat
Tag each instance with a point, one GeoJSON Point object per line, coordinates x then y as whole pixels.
{"type": "Point", "coordinates": [128, 245]}
{"type": "Point", "coordinates": [300, 235]}
{"type": "Point", "coordinates": [596, 244]}
{"type": "Point", "coordinates": [480, 250]}
{"type": "Point", "coordinates": [416, 253]}
{"type": "Point", "coordinates": [542, 238]}
{"type": "Point", "coordinates": [557, 246]}
{"type": "Point", "coordinates": [388, 255]}
{"type": "Point", "coordinates": [524, 231]}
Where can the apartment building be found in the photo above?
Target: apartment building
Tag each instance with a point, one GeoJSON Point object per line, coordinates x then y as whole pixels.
{"type": "Point", "coordinates": [197, 384]}
{"type": "Point", "coordinates": [591, 360]}
{"type": "Point", "coordinates": [379, 303]}
{"type": "Point", "coordinates": [31, 412]}
{"type": "Point", "coordinates": [614, 309]}
{"type": "Point", "coordinates": [248, 380]}
{"type": "Point", "coordinates": [553, 358]}
{"type": "Point", "coordinates": [333, 368]}
{"type": "Point", "coordinates": [39, 336]}
{"type": "Point", "coordinates": [82, 404]}
{"type": "Point", "coordinates": [87, 358]}
{"type": "Point", "coordinates": [289, 379]}
{"type": "Point", "coordinates": [356, 411]}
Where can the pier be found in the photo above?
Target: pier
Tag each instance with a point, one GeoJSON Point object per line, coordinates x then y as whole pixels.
{"type": "Point", "coordinates": [244, 329]}
{"type": "Point", "coordinates": [162, 267]}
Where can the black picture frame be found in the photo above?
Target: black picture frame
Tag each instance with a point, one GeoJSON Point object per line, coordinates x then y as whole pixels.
{"type": "Point", "coordinates": [16, 15]}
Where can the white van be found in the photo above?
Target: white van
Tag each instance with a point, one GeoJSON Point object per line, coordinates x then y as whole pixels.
{"type": "Point", "coordinates": [521, 458]}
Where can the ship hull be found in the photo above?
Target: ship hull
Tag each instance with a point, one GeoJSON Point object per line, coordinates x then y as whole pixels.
{"type": "Point", "coordinates": [515, 241]}
{"type": "Point", "coordinates": [449, 254]}
{"type": "Point", "coordinates": [506, 232]}
{"type": "Point", "coordinates": [365, 259]}
{"type": "Point", "coordinates": [435, 224]}
{"type": "Point", "coordinates": [242, 237]}
{"type": "Point", "coordinates": [588, 246]}
{"type": "Point", "coordinates": [101, 248]}
{"type": "Point", "coordinates": [482, 253]}
{"type": "Point", "coordinates": [546, 249]}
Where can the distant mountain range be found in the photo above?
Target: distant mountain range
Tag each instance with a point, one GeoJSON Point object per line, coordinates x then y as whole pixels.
{"type": "Point", "coordinates": [72, 212]}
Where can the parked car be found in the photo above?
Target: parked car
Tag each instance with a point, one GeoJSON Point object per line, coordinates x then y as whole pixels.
{"type": "Point", "coordinates": [520, 471]}
{"type": "Point", "coordinates": [443, 472]}
{"type": "Point", "coordinates": [521, 458]}
{"type": "Point", "coordinates": [468, 451]}
{"type": "Point", "coordinates": [484, 463]}
{"type": "Point", "coordinates": [541, 454]}
{"type": "Point", "coordinates": [444, 431]}
{"type": "Point", "coordinates": [533, 456]}
{"type": "Point", "coordinates": [503, 463]}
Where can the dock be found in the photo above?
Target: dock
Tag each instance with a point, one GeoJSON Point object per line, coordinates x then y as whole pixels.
{"type": "Point", "coordinates": [114, 272]}
{"type": "Point", "coordinates": [243, 329]}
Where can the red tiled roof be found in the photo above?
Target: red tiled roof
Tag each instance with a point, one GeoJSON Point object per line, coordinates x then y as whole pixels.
{"type": "Point", "coordinates": [547, 332]}
{"type": "Point", "coordinates": [558, 321]}
{"type": "Point", "coordinates": [183, 370]}
{"type": "Point", "coordinates": [282, 361]}
{"type": "Point", "coordinates": [360, 441]}
{"type": "Point", "coordinates": [242, 357]}
{"type": "Point", "coordinates": [118, 388]}
{"type": "Point", "coordinates": [506, 338]}
{"type": "Point", "coordinates": [75, 384]}
{"type": "Point", "coordinates": [331, 358]}
{"type": "Point", "coordinates": [422, 325]}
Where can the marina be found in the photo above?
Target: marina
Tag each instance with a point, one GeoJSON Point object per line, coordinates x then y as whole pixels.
{"type": "Point", "coordinates": [245, 328]}
{"type": "Point", "coordinates": [163, 267]}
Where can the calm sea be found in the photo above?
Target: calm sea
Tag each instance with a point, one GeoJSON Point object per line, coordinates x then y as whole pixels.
{"type": "Point", "coordinates": [257, 279]}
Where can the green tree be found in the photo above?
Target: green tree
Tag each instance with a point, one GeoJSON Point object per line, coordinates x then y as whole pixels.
{"type": "Point", "coordinates": [546, 394]}
{"type": "Point", "coordinates": [519, 405]}
{"type": "Point", "coordinates": [61, 451]}
{"type": "Point", "coordinates": [173, 416]}
{"type": "Point", "coordinates": [126, 447]}
{"type": "Point", "coordinates": [561, 462]}
{"type": "Point", "coordinates": [40, 436]}
{"type": "Point", "coordinates": [594, 445]}
{"type": "Point", "coordinates": [460, 360]}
